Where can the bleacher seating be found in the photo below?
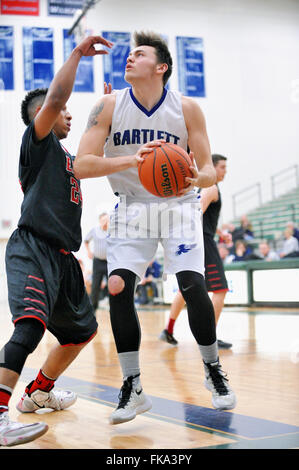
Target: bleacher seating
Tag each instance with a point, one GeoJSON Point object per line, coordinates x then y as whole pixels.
{"type": "Point", "coordinates": [269, 220]}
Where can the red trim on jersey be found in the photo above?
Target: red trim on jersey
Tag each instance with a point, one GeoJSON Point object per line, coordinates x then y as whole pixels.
{"type": "Point", "coordinates": [35, 309]}
{"type": "Point", "coordinates": [215, 279]}
{"type": "Point", "coordinates": [35, 300]}
{"type": "Point", "coordinates": [36, 290]}
{"type": "Point", "coordinates": [64, 148]}
{"type": "Point", "coordinates": [211, 266]}
{"type": "Point", "coordinates": [213, 272]}
{"type": "Point", "coordinates": [78, 344]}
{"type": "Point", "coordinates": [31, 316]}
{"type": "Point", "coordinates": [36, 278]}
{"type": "Point", "coordinates": [21, 185]}
{"type": "Point", "coordinates": [64, 252]}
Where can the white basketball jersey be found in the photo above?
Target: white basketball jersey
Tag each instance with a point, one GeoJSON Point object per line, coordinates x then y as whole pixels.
{"type": "Point", "coordinates": [133, 125]}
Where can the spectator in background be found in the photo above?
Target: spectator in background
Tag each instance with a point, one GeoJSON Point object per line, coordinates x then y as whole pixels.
{"type": "Point", "coordinates": [266, 253]}
{"type": "Point", "coordinates": [243, 252]}
{"type": "Point", "coordinates": [225, 254]}
{"type": "Point", "coordinates": [98, 235]}
{"type": "Point", "coordinates": [148, 283]}
{"type": "Point", "coordinates": [290, 248]}
{"type": "Point", "coordinates": [244, 232]}
{"type": "Point", "coordinates": [295, 230]}
{"type": "Point", "coordinates": [240, 251]}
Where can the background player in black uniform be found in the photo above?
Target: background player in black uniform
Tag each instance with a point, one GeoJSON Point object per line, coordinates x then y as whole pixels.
{"type": "Point", "coordinates": [45, 282]}
{"type": "Point", "coordinates": [214, 271]}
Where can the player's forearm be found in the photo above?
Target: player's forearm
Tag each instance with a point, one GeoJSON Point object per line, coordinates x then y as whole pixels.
{"type": "Point", "coordinates": [63, 82]}
{"type": "Point", "coordinates": [91, 166]}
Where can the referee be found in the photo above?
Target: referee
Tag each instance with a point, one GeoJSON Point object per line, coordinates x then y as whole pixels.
{"type": "Point", "coordinates": [98, 236]}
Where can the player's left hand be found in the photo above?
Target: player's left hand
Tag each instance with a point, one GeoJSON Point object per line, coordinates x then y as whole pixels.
{"type": "Point", "coordinates": [107, 88]}
{"type": "Point", "coordinates": [192, 181]}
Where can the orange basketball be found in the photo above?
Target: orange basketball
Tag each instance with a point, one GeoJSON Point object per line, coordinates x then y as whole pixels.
{"type": "Point", "coordinates": [164, 170]}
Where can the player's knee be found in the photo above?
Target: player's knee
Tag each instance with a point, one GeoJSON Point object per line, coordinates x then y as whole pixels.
{"type": "Point", "coordinates": [28, 333]}
{"type": "Point", "coordinates": [116, 284]}
{"type": "Point", "coordinates": [24, 340]}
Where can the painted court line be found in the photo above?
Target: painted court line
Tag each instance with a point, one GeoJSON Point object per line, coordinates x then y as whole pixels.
{"type": "Point", "coordinates": [235, 424]}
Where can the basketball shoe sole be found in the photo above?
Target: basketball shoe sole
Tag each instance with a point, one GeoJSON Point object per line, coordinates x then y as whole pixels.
{"type": "Point", "coordinates": [13, 433]}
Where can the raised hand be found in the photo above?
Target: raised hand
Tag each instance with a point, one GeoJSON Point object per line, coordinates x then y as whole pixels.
{"type": "Point", "coordinates": [86, 47]}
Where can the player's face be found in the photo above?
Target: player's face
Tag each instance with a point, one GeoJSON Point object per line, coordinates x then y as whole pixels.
{"type": "Point", "coordinates": [220, 170]}
{"type": "Point", "coordinates": [63, 124]}
{"type": "Point", "coordinates": [141, 64]}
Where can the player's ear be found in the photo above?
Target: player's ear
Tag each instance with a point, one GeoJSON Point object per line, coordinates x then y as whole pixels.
{"type": "Point", "coordinates": [162, 68]}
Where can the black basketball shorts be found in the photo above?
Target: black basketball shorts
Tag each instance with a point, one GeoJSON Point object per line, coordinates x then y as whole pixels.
{"type": "Point", "coordinates": [47, 284]}
{"type": "Point", "coordinates": [214, 271]}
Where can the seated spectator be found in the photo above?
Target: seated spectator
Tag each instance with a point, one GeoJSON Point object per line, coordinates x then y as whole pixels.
{"type": "Point", "coordinates": [225, 254]}
{"type": "Point", "coordinates": [243, 252]}
{"type": "Point", "coordinates": [244, 232]}
{"type": "Point", "coordinates": [290, 246]}
{"type": "Point", "coordinates": [266, 253]}
{"type": "Point", "coordinates": [291, 225]}
{"type": "Point", "coordinates": [147, 290]}
{"type": "Point", "coordinates": [240, 251]}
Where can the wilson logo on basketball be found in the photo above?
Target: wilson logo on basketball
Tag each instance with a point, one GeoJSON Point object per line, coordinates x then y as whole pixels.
{"type": "Point", "coordinates": [164, 170]}
{"type": "Point", "coordinates": [166, 183]}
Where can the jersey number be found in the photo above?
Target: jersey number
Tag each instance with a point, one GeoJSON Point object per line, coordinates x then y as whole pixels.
{"type": "Point", "coordinates": [76, 195]}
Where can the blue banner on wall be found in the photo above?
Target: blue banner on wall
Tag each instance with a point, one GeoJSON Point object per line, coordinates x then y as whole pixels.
{"type": "Point", "coordinates": [84, 81]}
{"type": "Point", "coordinates": [114, 63]}
{"type": "Point", "coordinates": [191, 66]}
{"type": "Point", "coordinates": [38, 57]}
{"type": "Point", "coordinates": [6, 58]}
{"type": "Point", "coordinates": [64, 7]}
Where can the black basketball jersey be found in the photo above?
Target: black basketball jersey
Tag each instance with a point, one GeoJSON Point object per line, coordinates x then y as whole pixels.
{"type": "Point", "coordinates": [211, 216]}
{"type": "Point", "coordinates": [52, 204]}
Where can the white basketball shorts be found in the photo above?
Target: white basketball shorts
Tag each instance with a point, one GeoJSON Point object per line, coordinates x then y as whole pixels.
{"type": "Point", "coordinates": [137, 226]}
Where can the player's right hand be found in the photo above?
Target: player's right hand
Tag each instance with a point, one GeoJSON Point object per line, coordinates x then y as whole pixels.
{"type": "Point", "coordinates": [86, 47]}
{"type": "Point", "coordinates": [147, 148]}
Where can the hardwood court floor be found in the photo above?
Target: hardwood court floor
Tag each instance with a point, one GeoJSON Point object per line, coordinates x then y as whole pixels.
{"type": "Point", "coordinates": [263, 368]}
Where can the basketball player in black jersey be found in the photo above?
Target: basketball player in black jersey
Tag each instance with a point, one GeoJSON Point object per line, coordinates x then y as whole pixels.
{"type": "Point", "coordinates": [45, 283]}
{"type": "Point", "coordinates": [214, 271]}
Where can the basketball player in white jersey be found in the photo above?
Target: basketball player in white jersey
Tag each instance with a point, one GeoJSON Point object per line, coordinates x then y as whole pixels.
{"type": "Point", "coordinates": [122, 128]}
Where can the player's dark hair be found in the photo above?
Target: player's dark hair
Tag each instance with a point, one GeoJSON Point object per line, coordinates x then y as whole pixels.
{"type": "Point", "coordinates": [33, 99]}
{"type": "Point", "coordinates": [216, 157]}
{"type": "Point", "coordinates": [155, 40]}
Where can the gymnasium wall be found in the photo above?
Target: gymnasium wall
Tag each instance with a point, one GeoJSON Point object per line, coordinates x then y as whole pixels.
{"type": "Point", "coordinates": [251, 61]}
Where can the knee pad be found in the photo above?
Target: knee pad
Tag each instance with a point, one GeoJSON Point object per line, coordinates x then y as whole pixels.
{"type": "Point", "coordinates": [28, 333]}
{"type": "Point", "coordinates": [25, 338]}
